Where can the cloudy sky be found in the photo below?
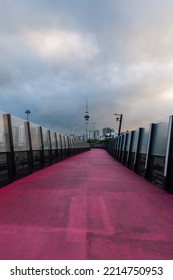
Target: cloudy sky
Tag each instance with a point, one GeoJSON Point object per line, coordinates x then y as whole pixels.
{"type": "Point", "coordinates": [117, 53]}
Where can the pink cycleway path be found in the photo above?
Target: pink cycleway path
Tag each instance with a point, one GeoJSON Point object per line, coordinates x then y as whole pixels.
{"type": "Point", "coordinates": [86, 207]}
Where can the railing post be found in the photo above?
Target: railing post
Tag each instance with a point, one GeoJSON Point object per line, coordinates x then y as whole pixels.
{"type": "Point", "coordinates": [56, 141]}
{"type": "Point", "coordinates": [125, 147]}
{"type": "Point", "coordinates": [114, 147]}
{"type": "Point", "coordinates": [69, 146]}
{"type": "Point", "coordinates": [65, 142]}
{"type": "Point", "coordinates": [73, 146]}
{"type": "Point", "coordinates": [120, 148]}
{"type": "Point", "coordinates": [168, 168]}
{"type": "Point", "coordinates": [61, 147]}
{"type": "Point", "coordinates": [29, 143]}
{"type": "Point", "coordinates": [11, 165]}
{"type": "Point", "coordinates": [130, 147]}
{"type": "Point", "coordinates": [138, 147]}
{"type": "Point", "coordinates": [42, 148]}
{"type": "Point", "coordinates": [149, 148]}
{"type": "Point", "coordinates": [50, 147]}
{"type": "Point", "coordinates": [117, 148]}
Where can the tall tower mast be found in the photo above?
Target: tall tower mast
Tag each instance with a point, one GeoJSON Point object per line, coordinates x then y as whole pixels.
{"type": "Point", "coordinates": [86, 116]}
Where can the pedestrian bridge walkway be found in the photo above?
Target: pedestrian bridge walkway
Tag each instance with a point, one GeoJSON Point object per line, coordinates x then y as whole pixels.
{"type": "Point", "coordinates": [86, 207]}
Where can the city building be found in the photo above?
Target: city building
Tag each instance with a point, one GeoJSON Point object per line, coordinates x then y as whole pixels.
{"type": "Point", "coordinates": [97, 134]}
{"type": "Point", "coordinates": [106, 131]}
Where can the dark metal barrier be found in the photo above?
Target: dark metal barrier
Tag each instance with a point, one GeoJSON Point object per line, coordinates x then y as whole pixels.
{"type": "Point", "coordinates": [26, 147]}
{"type": "Point", "coordinates": [147, 151]}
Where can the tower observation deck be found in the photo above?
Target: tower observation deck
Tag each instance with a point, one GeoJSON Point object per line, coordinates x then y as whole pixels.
{"type": "Point", "coordinates": [86, 116]}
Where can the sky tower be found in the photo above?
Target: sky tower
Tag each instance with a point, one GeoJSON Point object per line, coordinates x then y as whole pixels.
{"type": "Point", "coordinates": [86, 116]}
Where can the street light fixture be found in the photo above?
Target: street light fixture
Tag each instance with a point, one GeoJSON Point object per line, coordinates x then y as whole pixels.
{"type": "Point", "coordinates": [119, 118]}
{"type": "Point", "coordinates": [27, 112]}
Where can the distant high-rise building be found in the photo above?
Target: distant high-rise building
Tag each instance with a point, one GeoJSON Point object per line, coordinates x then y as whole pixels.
{"type": "Point", "coordinates": [106, 131]}
{"type": "Point", "coordinates": [97, 134]}
{"type": "Point", "coordinates": [88, 135]}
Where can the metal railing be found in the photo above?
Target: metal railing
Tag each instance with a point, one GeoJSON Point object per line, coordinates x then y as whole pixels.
{"type": "Point", "coordinates": [148, 152]}
{"type": "Point", "coordinates": [26, 147]}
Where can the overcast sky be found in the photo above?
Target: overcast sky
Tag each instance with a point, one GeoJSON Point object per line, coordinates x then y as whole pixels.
{"type": "Point", "coordinates": [117, 53]}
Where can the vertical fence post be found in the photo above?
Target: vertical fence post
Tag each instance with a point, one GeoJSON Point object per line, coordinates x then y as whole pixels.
{"type": "Point", "coordinates": [168, 168]}
{"type": "Point", "coordinates": [56, 141]}
{"type": "Point", "coordinates": [125, 147]}
{"type": "Point", "coordinates": [61, 150]}
{"type": "Point", "coordinates": [138, 147]}
{"type": "Point", "coordinates": [130, 147]}
{"type": "Point", "coordinates": [11, 165]}
{"type": "Point", "coordinates": [29, 144]}
{"type": "Point", "coordinates": [149, 147]}
{"type": "Point", "coordinates": [73, 145]}
{"type": "Point", "coordinates": [66, 145]}
{"type": "Point", "coordinates": [117, 148]}
{"type": "Point", "coordinates": [69, 146]}
{"type": "Point", "coordinates": [42, 147]}
{"type": "Point", "coordinates": [121, 149]}
{"type": "Point", "coordinates": [59, 146]}
{"type": "Point", "coordinates": [63, 144]}
{"type": "Point", "coordinates": [50, 147]}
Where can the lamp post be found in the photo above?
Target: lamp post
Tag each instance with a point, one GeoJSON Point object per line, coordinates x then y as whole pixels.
{"type": "Point", "coordinates": [119, 118]}
{"type": "Point", "coordinates": [27, 112]}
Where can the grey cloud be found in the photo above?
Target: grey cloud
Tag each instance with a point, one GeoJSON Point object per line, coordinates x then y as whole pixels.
{"type": "Point", "coordinates": [117, 53]}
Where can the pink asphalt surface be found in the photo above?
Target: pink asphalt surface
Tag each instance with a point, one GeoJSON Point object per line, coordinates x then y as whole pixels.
{"type": "Point", "coordinates": [86, 207]}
